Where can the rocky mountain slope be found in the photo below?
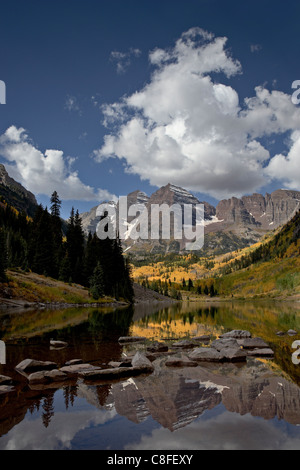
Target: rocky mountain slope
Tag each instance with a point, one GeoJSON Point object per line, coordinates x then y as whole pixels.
{"type": "Point", "coordinates": [233, 223]}
{"type": "Point", "coordinates": [15, 194]}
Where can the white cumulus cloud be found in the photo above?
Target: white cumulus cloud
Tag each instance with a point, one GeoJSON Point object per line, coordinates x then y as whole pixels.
{"type": "Point", "coordinates": [43, 173]}
{"type": "Point", "coordinates": [188, 127]}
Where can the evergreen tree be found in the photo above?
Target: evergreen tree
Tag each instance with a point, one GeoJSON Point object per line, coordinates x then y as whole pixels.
{"type": "Point", "coordinates": [97, 282]}
{"type": "Point", "coordinates": [41, 244]}
{"type": "Point", "coordinates": [56, 231]}
{"type": "Point", "coordinates": [55, 205]}
{"type": "Point", "coordinates": [3, 255]}
{"type": "Point", "coordinates": [65, 272]}
{"type": "Point", "coordinates": [75, 247]}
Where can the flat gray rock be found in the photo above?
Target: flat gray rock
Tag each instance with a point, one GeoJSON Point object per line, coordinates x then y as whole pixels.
{"type": "Point", "coordinates": [222, 343]}
{"type": "Point", "coordinates": [205, 354]}
{"type": "Point", "coordinates": [34, 365]}
{"type": "Point", "coordinates": [113, 373]}
{"type": "Point", "coordinates": [251, 343]}
{"type": "Point", "coordinates": [265, 352]}
{"type": "Point", "coordinates": [233, 354]}
{"type": "Point", "coordinates": [44, 376]}
{"type": "Point", "coordinates": [236, 334]}
{"type": "Point", "coordinates": [75, 369]}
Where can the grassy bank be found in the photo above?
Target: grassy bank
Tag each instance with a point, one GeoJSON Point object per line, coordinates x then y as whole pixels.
{"type": "Point", "coordinates": [34, 288]}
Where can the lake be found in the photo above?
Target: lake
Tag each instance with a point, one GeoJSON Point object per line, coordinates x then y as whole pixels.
{"type": "Point", "coordinates": [230, 406]}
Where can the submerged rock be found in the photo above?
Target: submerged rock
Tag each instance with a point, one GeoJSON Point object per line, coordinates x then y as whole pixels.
{"type": "Point", "coordinates": [113, 373]}
{"type": "Point", "coordinates": [236, 334]}
{"type": "Point", "coordinates": [204, 338]}
{"type": "Point", "coordinates": [233, 354]}
{"type": "Point", "coordinates": [265, 352]}
{"type": "Point", "coordinates": [74, 370]}
{"type": "Point", "coordinates": [73, 362]}
{"type": "Point", "coordinates": [58, 344]}
{"type": "Point", "coordinates": [180, 362]}
{"type": "Point", "coordinates": [6, 389]}
{"type": "Point", "coordinates": [184, 344]}
{"type": "Point", "coordinates": [30, 365]}
{"type": "Point", "coordinates": [157, 347]}
{"type": "Point", "coordinates": [4, 380]}
{"type": "Point", "coordinates": [44, 376]}
{"type": "Point", "coordinates": [131, 339]}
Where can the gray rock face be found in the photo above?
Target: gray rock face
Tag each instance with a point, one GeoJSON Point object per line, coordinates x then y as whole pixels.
{"type": "Point", "coordinates": [267, 212]}
{"type": "Point", "coordinates": [15, 194]}
{"type": "Point", "coordinates": [233, 211]}
{"type": "Point", "coordinates": [248, 217]}
{"type": "Point", "coordinates": [10, 183]}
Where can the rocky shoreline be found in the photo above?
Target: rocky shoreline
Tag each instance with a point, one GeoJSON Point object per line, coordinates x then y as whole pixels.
{"type": "Point", "coordinates": [21, 304]}
{"type": "Point", "coordinates": [235, 346]}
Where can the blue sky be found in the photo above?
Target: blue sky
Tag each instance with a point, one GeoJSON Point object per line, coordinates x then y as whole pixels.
{"type": "Point", "coordinates": [105, 97]}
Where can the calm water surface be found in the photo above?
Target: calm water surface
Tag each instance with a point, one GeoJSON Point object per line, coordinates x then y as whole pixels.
{"type": "Point", "coordinates": [254, 405]}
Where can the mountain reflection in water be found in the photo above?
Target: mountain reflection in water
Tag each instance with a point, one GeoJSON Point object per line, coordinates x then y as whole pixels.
{"type": "Point", "coordinates": [170, 408]}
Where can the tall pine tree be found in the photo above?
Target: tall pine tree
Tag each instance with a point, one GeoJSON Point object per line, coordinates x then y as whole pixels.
{"type": "Point", "coordinates": [3, 255]}
{"type": "Point", "coordinates": [56, 231]}
{"type": "Point", "coordinates": [75, 247]}
{"type": "Point", "coordinates": [41, 244]}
